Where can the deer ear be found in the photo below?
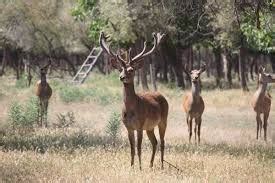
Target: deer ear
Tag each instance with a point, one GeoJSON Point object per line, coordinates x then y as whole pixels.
{"type": "Point", "coordinates": [203, 68]}
{"type": "Point", "coordinates": [137, 65]}
{"type": "Point", "coordinates": [115, 64]}
{"type": "Point", "coordinates": [261, 69]}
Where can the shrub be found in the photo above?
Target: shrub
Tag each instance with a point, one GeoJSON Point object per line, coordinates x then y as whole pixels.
{"type": "Point", "coordinates": [113, 127]}
{"type": "Point", "coordinates": [24, 116]}
{"type": "Point", "coordinates": [65, 120]}
{"type": "Point", "coordinates": [71, 94]}
{"type": "Point", "coordinates": [22, 82]}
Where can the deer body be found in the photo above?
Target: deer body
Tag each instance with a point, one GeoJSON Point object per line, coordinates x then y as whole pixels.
{"type": "Point", "coordinates": [142, 111]}
{"type": "Point", "coordinates": [193, 105]}
{"type": "Point", "coordinates": [44, 93]}
{"type": "Point", "coordinates": [261, 101]}
{"type": "Point", "coordinates": [151, 105]}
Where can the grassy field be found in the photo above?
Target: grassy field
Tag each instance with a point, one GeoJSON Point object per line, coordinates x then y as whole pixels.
{"type": "Point", "coordinates": [85, 152]}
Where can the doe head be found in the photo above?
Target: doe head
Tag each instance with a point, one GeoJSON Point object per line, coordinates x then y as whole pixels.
{"type": "Point", "coordinates": [195, 74]}
{"type": "Point", "coordinates": [265, 77]}
{"type": "Point", "coordinates": [127, 66]}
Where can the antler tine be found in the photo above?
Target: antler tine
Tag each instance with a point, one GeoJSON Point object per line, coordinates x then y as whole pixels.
{"type": "Point", "coordinates": [157, 38]}
{"type": "Point", "coordinates": [141, 53]}
{"type": "Point", "coordinates": [104, 46]}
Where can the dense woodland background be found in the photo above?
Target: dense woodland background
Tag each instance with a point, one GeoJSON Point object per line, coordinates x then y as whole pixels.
{"type": "Point", "coordinates": [232, 37]}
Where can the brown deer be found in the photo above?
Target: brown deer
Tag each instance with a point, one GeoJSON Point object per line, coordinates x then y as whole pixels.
{"type": "Point", "coordinates": [44, 93]}
{"type": "Point", "coordinates": [261, 101]}
{"type": "Point", "coordinates": [193, 104]}
{"type": "Point", "coordinates": [142, 111]}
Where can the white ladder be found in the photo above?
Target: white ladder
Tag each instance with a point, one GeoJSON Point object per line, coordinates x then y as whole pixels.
{"type": "Point", "coordinates": [87, 66]}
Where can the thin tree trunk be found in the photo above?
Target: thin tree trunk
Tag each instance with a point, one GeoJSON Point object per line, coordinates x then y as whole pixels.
{"type": "Point", "coordinates": [4, 61]}
{"type": "Point", "coordinates": [143, 74]}
{"type": "Point", "coordinates": [242, 69]}
{"type": "Point", "coordinates": [153, 72]}
{"type": "Point", "coordinates": [217, 52]}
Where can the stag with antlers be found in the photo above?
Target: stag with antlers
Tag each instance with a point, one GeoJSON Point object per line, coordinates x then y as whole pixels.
{"type": "Point", "coordinates": [142, 111]}
{"type": "Point", "coordinates": [44, 93]}
{"type": "Point", "coordinates": [261, 101]}
{"type": "Point", "coordinates": [193, 104]}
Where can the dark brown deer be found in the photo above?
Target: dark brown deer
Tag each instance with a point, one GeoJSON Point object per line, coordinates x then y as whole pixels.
{"type": "Point", "coordinates": [261, 101]}
{"type": "Point", "coordinates": [44, 93]}
{"type": "Point", "coordinates": [142, 111]}
{"type": "Point", "coordinates": [193, 104]}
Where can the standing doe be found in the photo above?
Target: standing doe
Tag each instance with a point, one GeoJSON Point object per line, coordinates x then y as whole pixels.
{"type": "Point", "coordinates": [193, 104]}
{"type": "Point", "coordinates": [142, 111]}
{"type": "Point", "coordinates": [261, 101]}
{"type": "Point", "coordinates": [44, 93]}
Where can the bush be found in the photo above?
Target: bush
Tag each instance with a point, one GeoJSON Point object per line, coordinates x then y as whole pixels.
{"type": "Point", "coordinates": [113, 127]}
{"type": "Point", "coordinates": [71, 94]}
{"type": "Point", "coordinates": [24, 116]}
{"type": "Point", "coordinates": [65, 120]}
{"type": "Point", "coordinates": [22, 82]}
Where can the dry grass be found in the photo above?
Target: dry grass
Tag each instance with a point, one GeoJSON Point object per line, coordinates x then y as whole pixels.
{"type": "Point", "coordinates": [229, 151]}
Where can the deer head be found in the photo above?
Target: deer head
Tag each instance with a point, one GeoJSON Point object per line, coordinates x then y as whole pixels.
{"type": "Point", "coordinates": [265, 77]}
{"type": "Point", "coordinates": [44, 69]}
{"type": "Point", "coordinates": [127, 66]}
{"type": "Point", "coordinates": [195, 74]}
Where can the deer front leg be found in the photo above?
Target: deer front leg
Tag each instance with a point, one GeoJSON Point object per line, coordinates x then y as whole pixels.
{"type": "Point", "coordinates": [139, 139]}
{"type": "Point", "coordinates": [131, 136]}
{"type": "Point", "coordinates": [199, 129]}
{"type": "Point", "coordinates": [46, 113]}
{"type": "Point", "coordinates": [154, 142]}
{"type": "Point", "coordinates": [265, 124]}
{"type": "Point", "coordinates": [259, 124]}
{"type": "Point", "coordinates": [190, 128]}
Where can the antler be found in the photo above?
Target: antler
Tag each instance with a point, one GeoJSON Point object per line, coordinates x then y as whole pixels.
{"type": "Point", "coordinates": [104, 46]}
{"type": "Point", "coordinates": [157, 38]}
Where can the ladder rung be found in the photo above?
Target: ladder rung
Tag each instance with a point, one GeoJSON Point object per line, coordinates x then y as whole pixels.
{"type": "Point", "coordinates": [87, 65]}
{"type": "Point", "coordinates": [91, 56]}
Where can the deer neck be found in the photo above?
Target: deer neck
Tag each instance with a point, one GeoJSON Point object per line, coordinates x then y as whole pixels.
{"type": "Point", "coordinates": [43, 80]}
{"type": "Point", "coordinates": [195, 89]}
{"type": "Point", "coordinates": [261, 89]}
{"type": "Point", "coordinates": [129, 95]}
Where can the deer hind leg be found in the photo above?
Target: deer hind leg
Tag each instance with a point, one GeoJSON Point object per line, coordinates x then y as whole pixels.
{"type": "Point", "coordinates": [162, 130]}
{"type": "Point", "coordinates": [131, 136]}
{"type": "Point", "coordinates": [139, 142]}
{"type": "Point", "coordinates": [259, 124]}
{"type": "Point", "coordinates": [266, 115]}
{"type": "Point", "coordinates": [154, 142]}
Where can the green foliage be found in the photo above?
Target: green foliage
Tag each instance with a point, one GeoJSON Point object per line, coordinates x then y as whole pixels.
{"type": "Point", "coordinates": [65, 120]}
{"type": "Point", "coordinates": [101, 95]}
{"type": "Point", "coordinates": [71, 94]}
{"type": "Point", "coordinates": [262, 38]}
{"type": "Point", "coordinates": [113, 126]}
{"type": "Point", "coordinates": [22, 82]}
{"type": "Point", "coordinates": [24, 116]}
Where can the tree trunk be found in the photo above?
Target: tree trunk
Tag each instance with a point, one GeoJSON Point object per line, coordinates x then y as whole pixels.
{"type": "Point", "coordinates": [242, 69]}
{"type": "Point", "coordinates": [153, 72]}
{"type": "Point", "coordinates": [143, 74]}
{"type": "Point", "coordinates": [4, 61]}
{"type": "Point", "coordinates": [227, 63]}
{"type": "Point", "coordinates": [217, 52]}
{"type": "Point", "coordinates": [272, 60]}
